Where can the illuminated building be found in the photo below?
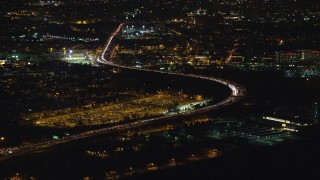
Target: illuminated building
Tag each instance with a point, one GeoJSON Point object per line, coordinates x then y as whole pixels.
{"type": "Point", "coordinates": [287, 56]}
{"type": "Point", "coordinates": [285, 124]}
{"type": "Point", "coordinates": [237, 58]}
{"type": "Point", "coordinates": [2, 61]}
{"type": "Point", "coordinates": [309, 55]}
{"type": "Point", "coordinates": [297, 55]}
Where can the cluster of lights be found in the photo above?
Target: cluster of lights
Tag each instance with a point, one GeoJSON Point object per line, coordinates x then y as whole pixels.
{"type": "Point", "coordinates": [100, 154]}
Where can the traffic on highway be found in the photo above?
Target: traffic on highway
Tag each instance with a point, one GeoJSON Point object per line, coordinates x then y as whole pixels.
{"type": "Point", "coordinates": [237, 92]}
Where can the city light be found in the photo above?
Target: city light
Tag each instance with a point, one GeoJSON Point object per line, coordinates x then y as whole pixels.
{"type": "Point", "coordinates": [162, 89]}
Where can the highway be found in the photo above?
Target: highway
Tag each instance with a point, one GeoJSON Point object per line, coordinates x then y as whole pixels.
{"type": "Point", "coordinates": [237, 93]}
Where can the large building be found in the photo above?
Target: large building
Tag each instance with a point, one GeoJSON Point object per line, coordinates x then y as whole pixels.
{"type": "Point", "coordinates": [298, 55]}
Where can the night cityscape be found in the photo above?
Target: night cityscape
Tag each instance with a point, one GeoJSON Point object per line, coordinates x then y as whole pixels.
{"type": "Point", "coordinates": [159, 89]}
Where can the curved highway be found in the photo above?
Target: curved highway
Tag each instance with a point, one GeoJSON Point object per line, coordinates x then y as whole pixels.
{"type": "Point", "coordinates": [237, 92]}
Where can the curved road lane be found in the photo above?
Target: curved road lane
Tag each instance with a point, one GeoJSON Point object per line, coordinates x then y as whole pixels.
{"type": "Point", "coordinates": [237, 93]}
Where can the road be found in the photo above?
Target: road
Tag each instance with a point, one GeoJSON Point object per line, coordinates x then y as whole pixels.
{"type": "Point", "coordinates": [237, 92]}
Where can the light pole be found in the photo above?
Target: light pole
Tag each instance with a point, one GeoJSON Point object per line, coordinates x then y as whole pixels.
{"type": "Point", "coordinates": [2, 139]}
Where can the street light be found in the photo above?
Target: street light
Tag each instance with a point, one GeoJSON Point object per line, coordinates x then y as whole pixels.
{"type": "Point", "coordinates": [2, 139]}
